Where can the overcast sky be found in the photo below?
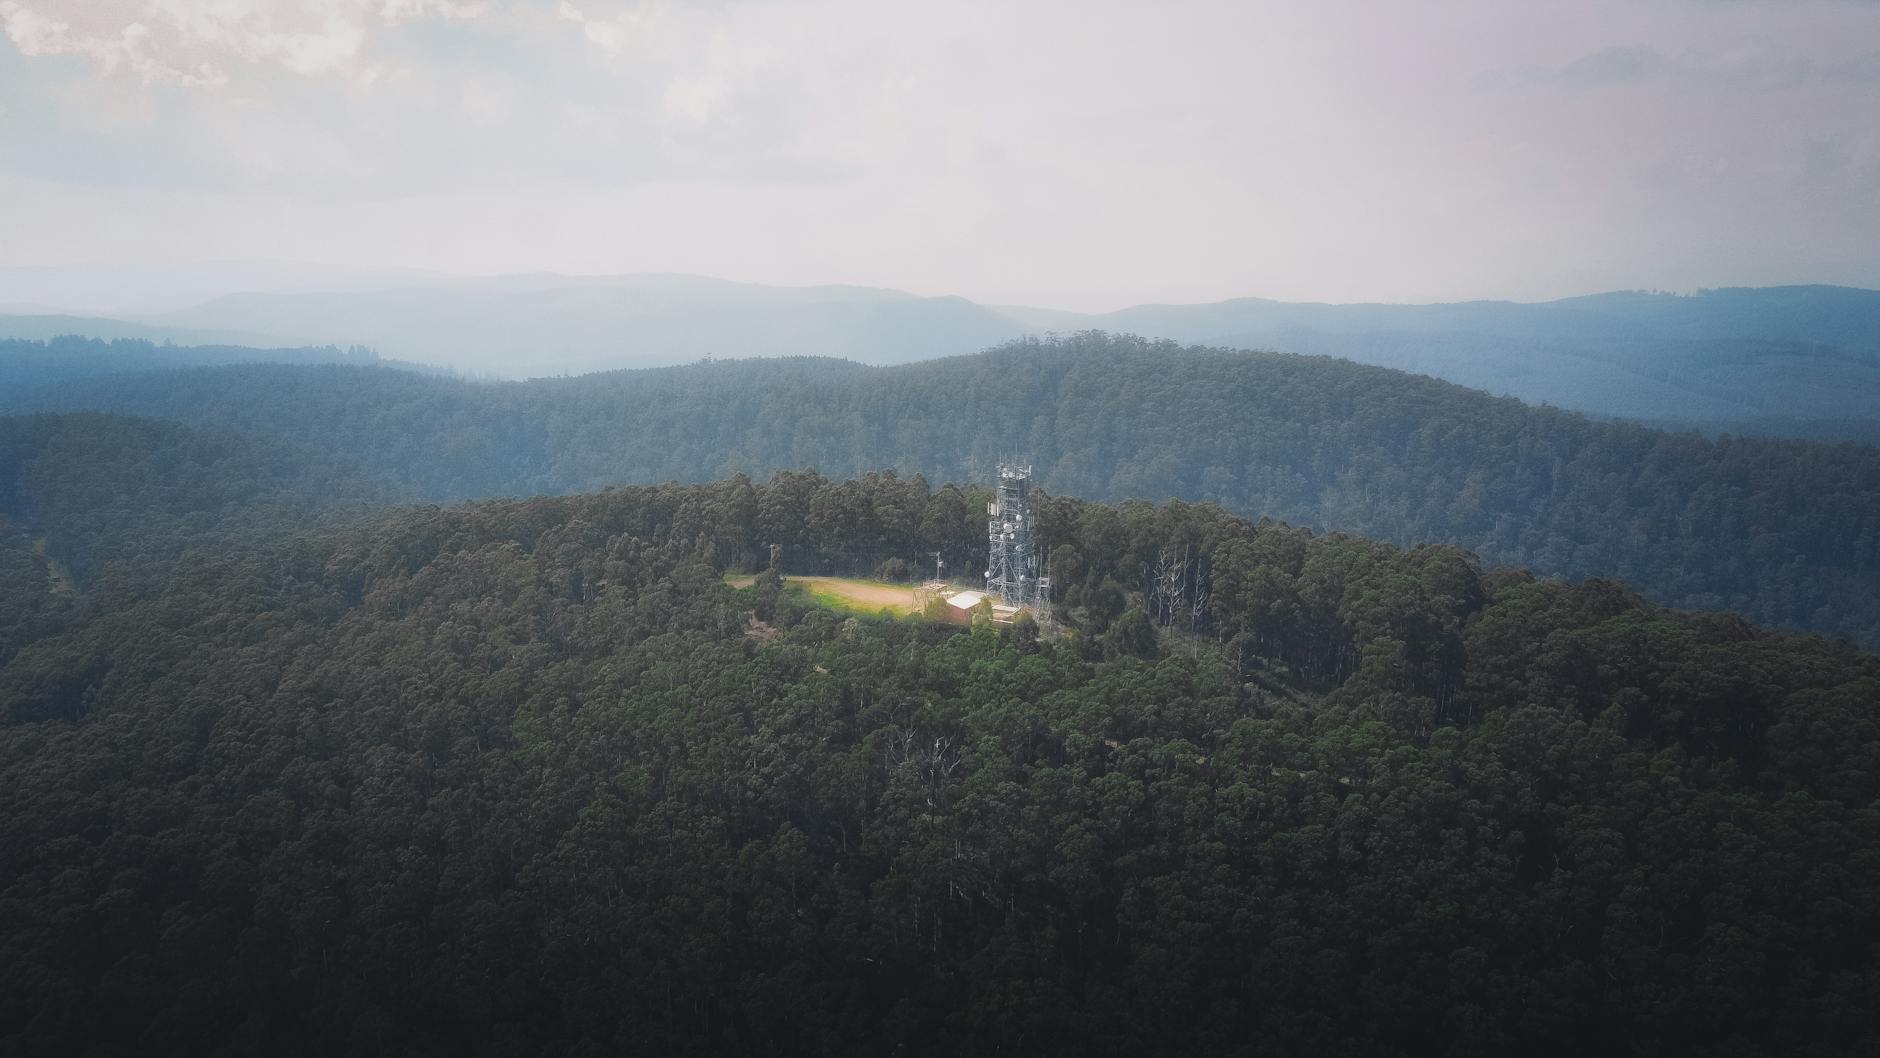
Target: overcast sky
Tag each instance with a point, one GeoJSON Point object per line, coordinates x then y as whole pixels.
{"type": "Point", "coordinates": [1076, 154]}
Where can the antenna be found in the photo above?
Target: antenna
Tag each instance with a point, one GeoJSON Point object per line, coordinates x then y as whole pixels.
{"type": "Point", "coordinates": [1013, 572]}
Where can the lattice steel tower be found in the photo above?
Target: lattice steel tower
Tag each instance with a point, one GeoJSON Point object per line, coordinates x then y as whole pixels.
{"type": "Point", "coordinates": [1014, 570]}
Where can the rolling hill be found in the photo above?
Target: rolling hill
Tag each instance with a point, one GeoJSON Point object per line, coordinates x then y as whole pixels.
{"type": "Point", "coordinates": [1718, 358]}
{"type": "Point", "coordinates": [1785, 532]}
{"type": "Point", "coordinates": [26, 365]}
{"type": "Point", "coordinates": [1779, 360]}
{"type": "Point", "coordinates": [1783, 361]}
{"type": "Point", "coordinates": [520, 777]}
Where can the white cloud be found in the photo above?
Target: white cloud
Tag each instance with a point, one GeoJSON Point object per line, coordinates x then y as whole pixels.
{"type": "Point", "coordinates": [127, 46]}
{"type": "Point", "coordinates": [198, 43]}
{"type": "Point", "coordinates": [488, 100]}
{"type": "Point", "coordinates": [614, 34]}
{"type": "Point", "coordinates": [730, 66]}
{"type": "Point", "coordinates": [1051, 149]}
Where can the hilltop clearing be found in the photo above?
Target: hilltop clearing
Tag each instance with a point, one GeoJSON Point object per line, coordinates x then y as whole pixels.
{"type": "Point", "coordinates": [845, 593]}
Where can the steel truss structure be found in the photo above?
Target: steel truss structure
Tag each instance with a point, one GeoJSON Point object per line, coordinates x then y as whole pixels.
{"type": "Point", "coordinates": [1015, 569]}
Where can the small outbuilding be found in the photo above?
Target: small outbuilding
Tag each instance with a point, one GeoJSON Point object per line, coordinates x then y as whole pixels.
{"type": "Point", "coordinates": [961, 604]}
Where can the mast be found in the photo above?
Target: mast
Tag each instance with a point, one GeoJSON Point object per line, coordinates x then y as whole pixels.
{"type": "Point", "coordinates": [1014, 568]}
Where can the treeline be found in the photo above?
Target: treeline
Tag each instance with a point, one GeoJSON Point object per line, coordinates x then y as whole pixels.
{"type": "Point", "coordinates": [1786, 533]}
{"type": "Point", "coordinates": [28, 364]}
{"type": "Point", "coordinates": [525, 777]}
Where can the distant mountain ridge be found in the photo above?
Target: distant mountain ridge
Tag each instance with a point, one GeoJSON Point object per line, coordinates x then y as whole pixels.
{"type": "Point", "coordinates": [135, 290]}
{"type": "Point", "coordinates": [43, 326]}
{"type": "Point", "coordinates": [1797, 360]}
{"type": "Point", "coordinates": [541, 326]}
{"type": "Point", "coordinates": [30, 365]}
{"type": "Point", "coordinates": [1717, 357]}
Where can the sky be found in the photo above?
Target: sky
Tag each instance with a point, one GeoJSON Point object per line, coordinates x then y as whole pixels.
{"type": "Point", "coordinates": [1084, 155]}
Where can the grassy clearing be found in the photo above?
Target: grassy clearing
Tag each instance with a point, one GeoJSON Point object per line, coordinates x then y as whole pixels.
{"type": "Point", "coordinates": [848, 594]}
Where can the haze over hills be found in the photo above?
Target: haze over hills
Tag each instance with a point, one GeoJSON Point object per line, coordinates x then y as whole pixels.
{"type": "Point", "coordinates": [141, 289]}
{"type": "Point", "coordinates": [47, 326]}
{"type": "Point", "coordinates": [1799, 361]}
{"type": "Point", "coordinates": [27, 365]}
{"type": "Point", "coordinates": [537, 325]}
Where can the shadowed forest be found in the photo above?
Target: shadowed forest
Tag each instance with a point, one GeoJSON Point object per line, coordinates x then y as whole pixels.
{"type": "Point", "coordinates": [525, 776]}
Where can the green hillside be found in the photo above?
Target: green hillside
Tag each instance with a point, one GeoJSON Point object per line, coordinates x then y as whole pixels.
{"type": "Point", "coordinates": [1718, 359]}
{"type": "Point", "coordinates": [1787, 533]}
{"type": "Point", "coordinates": [527, 777]}
{"type": "Point", "coordinates": [97, 509]}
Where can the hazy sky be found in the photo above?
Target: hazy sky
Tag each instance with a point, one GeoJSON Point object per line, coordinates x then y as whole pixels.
{"type": "Point", "coordinates": [1078, 154]}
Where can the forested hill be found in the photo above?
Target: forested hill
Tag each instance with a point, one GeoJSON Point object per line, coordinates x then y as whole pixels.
{"type": "Point", "coordinates": [1791, 361]}
{"type": "Point", "coordinates": [1769, 359]}
{"type": "Point", "coordinates": [1778, 359]}
{"type": "Point", "coordinates": [526, 777]}
{"type": "Point", "coordinates": [1787, 533]}
{"type": "Point", "coordinates": [27, 364]}
{"type": "Point", "coordinates": [110, 508]}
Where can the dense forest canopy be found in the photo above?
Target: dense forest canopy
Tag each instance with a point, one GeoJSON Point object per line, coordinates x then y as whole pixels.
{"type": "Point", "coordinates": [527, 777]}
{"type": "Point", "coordinates": [1787, 533]}
{"type": "Point", "coordinates": [117, 507]}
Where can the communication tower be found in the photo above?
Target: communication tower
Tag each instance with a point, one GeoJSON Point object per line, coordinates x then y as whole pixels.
{"type": "Point", "coordinates": [1014, 569]}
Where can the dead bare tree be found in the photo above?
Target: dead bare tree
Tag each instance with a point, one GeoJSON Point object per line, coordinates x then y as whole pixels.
{"type": "Point", "coordinates": [1198, 604]}
{"type": "Point", "coordinates": [1168, 585]}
